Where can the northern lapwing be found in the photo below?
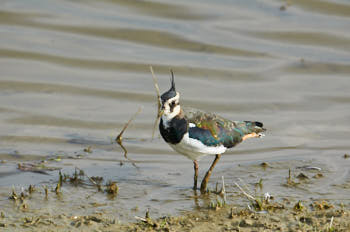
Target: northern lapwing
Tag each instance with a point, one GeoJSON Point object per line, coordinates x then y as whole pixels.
{"type": "Point", "coordinates": [195, 133]}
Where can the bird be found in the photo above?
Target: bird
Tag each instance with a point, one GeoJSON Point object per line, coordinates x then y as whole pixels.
{"type": "Point", "coordinates": [195, 133]}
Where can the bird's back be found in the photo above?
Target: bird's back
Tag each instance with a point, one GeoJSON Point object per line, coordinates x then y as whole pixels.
{"type": "Point", "coordinates": [214, 130]}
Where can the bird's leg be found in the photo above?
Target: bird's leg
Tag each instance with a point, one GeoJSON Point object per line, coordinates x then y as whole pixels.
{"type": "Point", "coordinates": [207, 175]}
{"type": "Point", "coordinates": [195, 166]}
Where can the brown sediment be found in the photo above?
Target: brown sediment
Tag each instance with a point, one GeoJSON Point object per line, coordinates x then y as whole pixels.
{"type": "Point", "coordinates": [263, 214]}
{"type": "Point", "coordinates": [224, 218]}
{"type": "Point", "coordinates": [38, 167]}
{"type": "Point", "coordinates": [230, 218]}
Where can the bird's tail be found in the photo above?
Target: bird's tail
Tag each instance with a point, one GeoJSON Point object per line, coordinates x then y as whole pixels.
{"type": "Point", "coordinates": [256, 127]}
{"type": "Point", "coordinates": [253, 129]}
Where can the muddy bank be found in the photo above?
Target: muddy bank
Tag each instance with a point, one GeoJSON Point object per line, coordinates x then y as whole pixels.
{"type": "Point", "coordinates": [286, 195]}
{"type": "Point", "coordinates": [284, 216]}
{"type": "Point", "coordinates": [231, 218]}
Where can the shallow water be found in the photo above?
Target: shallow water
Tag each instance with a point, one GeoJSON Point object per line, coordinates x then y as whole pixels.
{"type": "Point", "coordinates": [73, 72]}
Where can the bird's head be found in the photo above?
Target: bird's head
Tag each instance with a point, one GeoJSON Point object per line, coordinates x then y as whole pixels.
{"type": "Point", "coordinates": [170, 101]}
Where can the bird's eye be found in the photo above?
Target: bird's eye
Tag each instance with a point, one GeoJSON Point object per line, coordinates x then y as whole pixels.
{"type": "Point", "coordinates": [172, 104]}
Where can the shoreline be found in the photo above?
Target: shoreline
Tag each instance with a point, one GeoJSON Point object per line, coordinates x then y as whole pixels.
{"type": "Point", "coordinates": [305, 215]}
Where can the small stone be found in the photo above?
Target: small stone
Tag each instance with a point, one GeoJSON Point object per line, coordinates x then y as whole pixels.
{"type": "Point", "coordinates": [246, 223]}
{"type": "Point", "coordinates": [307, 220]}
{"type": "Point", "coordinates": [275, 219]}
{"type": "Point", "coordinates": [323, 205]}
{"type": "Point", "coordinates": [88, 149]}
{"type": "Point", "coordinates": [264, 164]}
{"type": "Point", "coordinates": [302, 176]}
{"type": "Point", "coordinates": [318, 175]}
{"type": "Point", "coordinates": [77, 224]}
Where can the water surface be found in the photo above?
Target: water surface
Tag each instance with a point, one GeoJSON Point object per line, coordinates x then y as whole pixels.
{"type": "Point", "coordinates": [73, 72]}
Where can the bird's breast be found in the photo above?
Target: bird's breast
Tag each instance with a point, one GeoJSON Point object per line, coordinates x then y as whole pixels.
{"type": "Point", "coordinates": [173, 131]}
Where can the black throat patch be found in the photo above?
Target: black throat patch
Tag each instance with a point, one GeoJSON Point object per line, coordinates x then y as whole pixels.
{"type": "Point", "coordinates": [176, 130]}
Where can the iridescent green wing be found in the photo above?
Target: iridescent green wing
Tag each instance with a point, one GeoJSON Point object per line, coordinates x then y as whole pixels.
{"type": "Point", "coordinates": [211, 129]}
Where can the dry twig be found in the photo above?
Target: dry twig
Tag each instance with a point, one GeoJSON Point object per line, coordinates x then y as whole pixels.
{"type": "Point", "coordinates": [246, 194]}
{"type": "Point", "coordinates": [159, 101]}
{"type": "Point", "coordinates": [119, 138]}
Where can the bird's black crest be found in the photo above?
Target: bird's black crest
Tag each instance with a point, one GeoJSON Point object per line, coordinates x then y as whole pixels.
{"type": "Point", "coordinates": [171, 92]}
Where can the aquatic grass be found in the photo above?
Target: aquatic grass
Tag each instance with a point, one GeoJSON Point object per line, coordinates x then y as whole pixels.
{"type": "Point", "coordinates": [88, 149]}
{"type": "Point", "coordinates": [76, 178]}
{"type": "Point", "coordinates": [46, 190]}
{"type": "Point", "coordinates": [112, 189]}
{"type": "Point", "coordinates": [147, 220]}
{"type": "Point", "coordinates": [13, 195]}
{"type": "Point", "coordinates": [218, 204]}
{"type": "Point", "coordinates": [92, 180]}
{"type": "Point", "coordinates": [321, 205]}
{"type": "Point", "coordinates": [299, 206]}
{"type": "Point", "coordinates": [80, 178]}
{"type": "Point", "coordinates": [259, 203]}
{"type": "Point", "coordinates": [290, 181]}
{"type": "Point", "coordinates": [30, 221]}
{"type": "Point", "coordinates": [59, 183]}
{"type": "Point", "coordinates": [31, 189]}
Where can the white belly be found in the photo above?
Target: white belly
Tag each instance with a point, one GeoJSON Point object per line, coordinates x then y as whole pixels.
{"type": "Point", "coordinates": [194, 149]}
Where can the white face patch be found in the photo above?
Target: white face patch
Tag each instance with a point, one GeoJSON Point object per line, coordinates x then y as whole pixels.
{"type": "Point", "coordinates": [171, 112]}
